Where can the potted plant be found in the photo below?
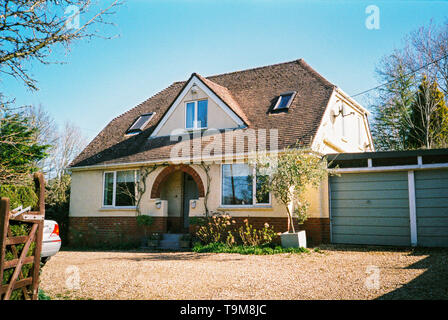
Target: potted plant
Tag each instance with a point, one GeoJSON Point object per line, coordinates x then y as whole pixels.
{"type": "Point", "coordinates": [184, 241]}
{"type": "Point", "coordinates": [288, 175]}
{"type": "Point", "coordinates": [145, 222]}
{"type": "Point", "coordinates": [153, 240]}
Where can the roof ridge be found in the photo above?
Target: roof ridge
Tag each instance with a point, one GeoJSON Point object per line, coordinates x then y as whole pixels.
{"type": "Point", "coordinates": [317, 75]}
{"type": "Point", "coordinates": [141, 103]}
{"type": "Point", "coordinates": [255, 68]}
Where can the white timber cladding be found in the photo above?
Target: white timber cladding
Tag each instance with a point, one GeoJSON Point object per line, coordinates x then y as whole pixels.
{"type": "Point", "coordinates": [344, 126]}
{"type": "Point", "coordinates": [429, 192]}
{"type": "Point", "coordinates": [210, 94]}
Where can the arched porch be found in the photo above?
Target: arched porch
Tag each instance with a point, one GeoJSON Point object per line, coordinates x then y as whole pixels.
{"type": "Point", "coordinates": [178, 186]}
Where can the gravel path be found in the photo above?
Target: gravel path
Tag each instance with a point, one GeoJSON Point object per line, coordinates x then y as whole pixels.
{"type": "Point", "coordinates": [332, 273]}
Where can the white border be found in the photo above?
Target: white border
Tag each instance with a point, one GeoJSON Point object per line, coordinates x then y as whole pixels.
{"type": "Point", "coordinates": [114, 190]}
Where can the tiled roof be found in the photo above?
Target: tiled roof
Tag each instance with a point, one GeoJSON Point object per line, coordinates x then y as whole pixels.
{"type": "Point", "coordinates": [249, 93]}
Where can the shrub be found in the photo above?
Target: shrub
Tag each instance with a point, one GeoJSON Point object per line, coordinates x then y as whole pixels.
{"type": "Point", "coordinates": [214, 229]}
{"type": "Point", "coordinates": [19, 195]}
{"type": "Point", "coordinates": [253, 237]}
{"type": "Point", "coordinates": [257, 250]}
{"type": "Point", "coordinates": [145, 221]}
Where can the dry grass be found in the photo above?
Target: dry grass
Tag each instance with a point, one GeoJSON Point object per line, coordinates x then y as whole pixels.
{"type": "Point", "coordinates": [334, 273]}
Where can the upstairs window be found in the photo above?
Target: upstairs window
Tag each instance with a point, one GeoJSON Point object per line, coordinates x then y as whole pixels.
{"type": "Point", "coordinates": [140, 123]}
{"type": "Point", "coordinates": [284, 101]}
{"type": "Point", "coordinates": [196, 114]}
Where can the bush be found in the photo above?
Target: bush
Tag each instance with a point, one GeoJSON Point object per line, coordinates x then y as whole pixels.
{"type": "Point", "coordinates": [253, 237]}
{"type": "Point", "coordinates": [214, 228]}
{"type": "Point", "coordinates": [220, 228]}
{"type": "Point", "coordinates": [145, 221]}
{"type": "Point", "coordinates": [19, 195]}
{"type": "Point", "coordinates": [18, 229]}
{"type": "Point", "coordinates": [218, 247]}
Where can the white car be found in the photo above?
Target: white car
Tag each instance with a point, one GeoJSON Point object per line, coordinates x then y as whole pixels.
{"type": "Point", "coordinates": [51, 242]}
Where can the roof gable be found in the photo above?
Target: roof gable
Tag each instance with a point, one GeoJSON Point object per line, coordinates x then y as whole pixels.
{"type": "Point", "coordinates": [220, 96]}
{"type": "Point", "coordinates": [250, 94]}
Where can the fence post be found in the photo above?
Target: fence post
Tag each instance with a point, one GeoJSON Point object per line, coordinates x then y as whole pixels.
{"type": "Point", "coordinates": [4, 224]}
{"type": "Point", "coordinates": [40, 186]}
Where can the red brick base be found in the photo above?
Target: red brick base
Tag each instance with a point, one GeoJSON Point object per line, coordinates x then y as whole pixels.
{"type": "Point", "coordinates": [92, 231]}
{"type": "Point", "coordinates": [317, 229]}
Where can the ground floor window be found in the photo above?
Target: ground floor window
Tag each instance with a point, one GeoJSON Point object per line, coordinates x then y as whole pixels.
{"type": "Point", "coordinates": [120, 188]}
{"type": "Point", "coordinates": [241, 185]}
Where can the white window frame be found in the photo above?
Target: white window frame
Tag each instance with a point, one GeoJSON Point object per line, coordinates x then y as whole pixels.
{"type": "Point", "coordinates": [254, 192]}
{"type": "Point", "coordinates": [195, 116]}
{"type": "Point", "coordinates": [114, 189]}
{"type": "Point", "coordinates": [293, 95]}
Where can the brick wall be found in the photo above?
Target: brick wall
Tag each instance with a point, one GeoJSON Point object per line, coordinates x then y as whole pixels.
{"type": "Point", "coordinates": [317, 229]}
{"type": "Point", "coordinates": [91, 231]}
{"type": "Point", "coordinates": [99, 230]}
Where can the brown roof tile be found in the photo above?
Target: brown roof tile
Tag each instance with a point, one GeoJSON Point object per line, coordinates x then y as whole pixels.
{"type": "Point", "coordinates": [250, 93]}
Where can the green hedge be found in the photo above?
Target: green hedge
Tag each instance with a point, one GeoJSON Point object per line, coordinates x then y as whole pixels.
{"type": "Point", "coordinates": [218, 247]}
{"type": "Point", "coordinates": [19, 195]}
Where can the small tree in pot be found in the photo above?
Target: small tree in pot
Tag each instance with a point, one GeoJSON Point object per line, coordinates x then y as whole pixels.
{"type": "Point", "coordinates": [291, 172]}
{"type": "Point", "coordinates": [145, 222]}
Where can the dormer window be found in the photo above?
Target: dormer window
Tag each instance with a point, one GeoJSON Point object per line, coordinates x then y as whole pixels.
{"type": "Point", "coordinates": [140, 123]}
{"type": "Point", "coordinates": [196, 114]}
{"type": "Point", "coordinates": [284, 101]}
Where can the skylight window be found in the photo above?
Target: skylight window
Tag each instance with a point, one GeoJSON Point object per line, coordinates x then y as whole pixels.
{"type": "Point", "coordinates": [140, 123]}
{"type": "Point", "coordinates": [284, 101]}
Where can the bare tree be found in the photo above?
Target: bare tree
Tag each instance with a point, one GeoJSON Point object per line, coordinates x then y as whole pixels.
{"type": "Point", "coordinates": [70, 143]}
{"type": "Point", "coordinates": [424, 55]}
{"type": "Point", "coordinates": [29, 30]}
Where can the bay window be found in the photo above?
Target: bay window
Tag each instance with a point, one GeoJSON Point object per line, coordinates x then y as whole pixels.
{"type": "Point", "coordinates": [242, 186]}
{"type": "Point", "coordinates": [120, 188]}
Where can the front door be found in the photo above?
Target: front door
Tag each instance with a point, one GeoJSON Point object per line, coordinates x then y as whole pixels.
{"type": "Point", "coordinates": [190, 192]}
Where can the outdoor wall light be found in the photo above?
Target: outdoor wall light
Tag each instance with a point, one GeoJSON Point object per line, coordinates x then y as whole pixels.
{"type": "Point", "coordinates": [158, 204]}
{"type": "Point", "coordinates": [194, 89]}
{"type": "Point", "coordinates": [193, 204]}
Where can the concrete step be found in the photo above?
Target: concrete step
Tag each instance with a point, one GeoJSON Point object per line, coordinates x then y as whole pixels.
{"type": "Point", "coordinates": [172, 236]}
{"type": "Point", "coordinates": [168, 244]}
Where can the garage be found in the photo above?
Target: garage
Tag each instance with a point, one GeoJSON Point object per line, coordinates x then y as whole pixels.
{"type": "Point", "coordinates": [431, 188]}
{"type": "Point", "coordinates": [390, 198]}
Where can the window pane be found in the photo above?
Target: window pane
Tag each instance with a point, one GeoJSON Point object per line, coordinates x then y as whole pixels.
{"type": "Point", "coordinates": [190, 115]}
{"type": "Point", "coordinates": [262, 197]}
{"type": "Point", "coordinates": [108, 188]}
{"type": "Point", "coordinates": [140, 123]}
{"type": "Point", "coordinates": [125, 193]}
{"type": "Point", "coordinates": [284, 101]}
{"type": "Point", "coordinates": [236, 184]}
{"type": "Point", "coordinates": [202, 114]}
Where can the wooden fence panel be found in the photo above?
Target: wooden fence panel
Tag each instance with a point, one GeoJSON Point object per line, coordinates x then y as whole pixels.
{"type": "Point", "coordinates": [36, 221]}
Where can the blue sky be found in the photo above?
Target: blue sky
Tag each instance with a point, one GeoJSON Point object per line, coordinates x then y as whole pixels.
{"type": "Point", "coordinates": [163, 41]}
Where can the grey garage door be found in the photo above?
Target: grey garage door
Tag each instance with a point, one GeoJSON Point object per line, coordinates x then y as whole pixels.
{"type": "Point", "coordinates": [370, 208]}
{"type": "Point", "coordinates": [431, 193]}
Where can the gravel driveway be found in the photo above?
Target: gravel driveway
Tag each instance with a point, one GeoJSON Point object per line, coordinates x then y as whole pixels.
{"type": "Point", "coordinates": [332, 273]}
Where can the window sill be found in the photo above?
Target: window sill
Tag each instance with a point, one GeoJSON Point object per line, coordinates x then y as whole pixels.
{"type": "Point", "coordinates": [245, 208]}
{"type": "Point", "coordinates": [118, 209]}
